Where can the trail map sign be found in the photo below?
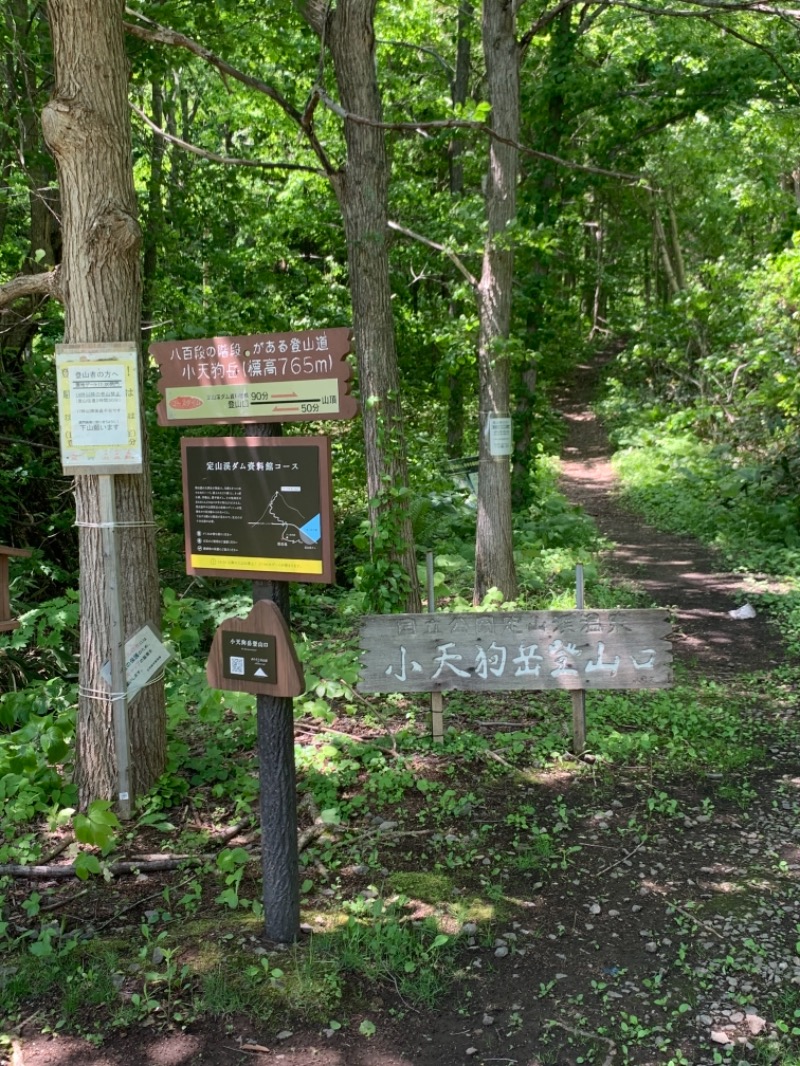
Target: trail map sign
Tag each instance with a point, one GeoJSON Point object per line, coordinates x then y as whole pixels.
{"type": "Point", "coordinates": [258, 507]}
{"type": "Point", "coordinates": [98, 408]}
{"type": "Point", "coordinates": [265, 377]}
{"type": "Point", "coordinates": [621, 649]}
{"type": "Point", "coordinates": [255, 654]}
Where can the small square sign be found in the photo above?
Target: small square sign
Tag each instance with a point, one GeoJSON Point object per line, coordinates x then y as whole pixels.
{"type": "Point", "coordinates": [249, 657]}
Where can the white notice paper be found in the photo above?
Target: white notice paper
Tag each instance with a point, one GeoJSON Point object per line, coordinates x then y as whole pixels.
{"type": "Point", "coordinates": [501, 441]}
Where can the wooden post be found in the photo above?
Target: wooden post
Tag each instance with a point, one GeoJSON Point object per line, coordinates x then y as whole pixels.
{"type": "Point", "coordinates": [579, 695]}
{"type": "Point", "coordinates": [280, 860]}
{"type": "Point", "coordinates": [7, 623]}
{"type": "Point", "coordinates": [119, 684]}
{"type": "Point", "coordinates": [278, 797]}
{"type": "Point", "coordinates": [437, 699]}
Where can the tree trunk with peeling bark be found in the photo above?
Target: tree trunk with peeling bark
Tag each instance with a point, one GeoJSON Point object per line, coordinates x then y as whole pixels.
{"type": "Point", "coordinates": [494, 555]}
{"type": "Point", "coordinates": [87, 127]}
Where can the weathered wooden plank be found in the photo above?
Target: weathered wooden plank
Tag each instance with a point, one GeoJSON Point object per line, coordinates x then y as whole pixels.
{"type": "Point", "coordinates": [516, 650]}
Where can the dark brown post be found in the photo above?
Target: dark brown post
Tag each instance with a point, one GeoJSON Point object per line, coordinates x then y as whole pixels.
{"type": "Point", "coordinates": [7, 623]}
{"type": "Point", "coordinates": [277, 780]}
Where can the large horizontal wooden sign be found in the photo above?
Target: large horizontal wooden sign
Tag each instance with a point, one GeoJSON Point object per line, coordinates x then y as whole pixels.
{"type": "Point", "coordinates": [255, 654]}
{"type": "Point", "coordinates": [621, 649]}
{"type": "Point", "coordinates": [258, 507]}
{"type": "Point", "coordinates": [265, 377]}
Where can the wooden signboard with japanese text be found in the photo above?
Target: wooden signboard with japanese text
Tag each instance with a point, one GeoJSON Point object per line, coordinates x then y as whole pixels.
{"type": "Point", "coordinates": [258, 507]}
{"type": "Point", "coordinates": [255, 654]}
{"type": "Point", "coordinates": [494, 652]}
{"type": "Point", "coordinates": [266, 377]}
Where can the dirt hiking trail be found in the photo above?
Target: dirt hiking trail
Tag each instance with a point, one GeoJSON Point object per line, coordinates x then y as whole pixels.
{"type": "Point", "coordinates": [676, 572]}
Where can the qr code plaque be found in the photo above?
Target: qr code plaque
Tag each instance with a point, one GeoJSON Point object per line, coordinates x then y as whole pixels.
{"type": "Point", "coordinates": [237, 665]}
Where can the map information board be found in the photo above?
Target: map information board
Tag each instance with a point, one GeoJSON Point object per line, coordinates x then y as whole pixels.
{"type": "Point", "coordinates": [258, 507]}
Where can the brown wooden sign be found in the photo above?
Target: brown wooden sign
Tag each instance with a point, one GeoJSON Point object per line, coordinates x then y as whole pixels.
{"type": "Point", "coordinates": [7, 623]}
{"type": "Point", "coordinates": [258, 507]}
{"type": "Point", "coordinates": [255, 654]}
{"type": "Point", "coordinates": [264, 377]}
{"type": "Point", "coordinates": [621, 649]}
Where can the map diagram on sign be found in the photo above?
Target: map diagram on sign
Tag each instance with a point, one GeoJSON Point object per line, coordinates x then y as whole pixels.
{"type": "Point", "coordinates": [258, 507]}
{"type": "Point", "coordinates": [296, 527]}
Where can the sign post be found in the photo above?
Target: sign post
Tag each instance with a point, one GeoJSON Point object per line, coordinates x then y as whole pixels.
{"type": "Point", "coordinates": [280, 859]}
{"type": "Point", "coordinates": [261, 507]}
{"type": "Point", "coordinates": [119, 694]}
{"type": "Point", "coordinates": [100, 431]}
{"type": "Point", "coordinates": [579, 695]}
{"type": "Point", "coordinates": [263, 377]}
{"type": "Point", "coordinates": [7, 623]}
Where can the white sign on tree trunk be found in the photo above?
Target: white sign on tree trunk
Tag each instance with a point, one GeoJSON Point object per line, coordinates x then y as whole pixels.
{"type": "Point", "coordinates": [98, 408]}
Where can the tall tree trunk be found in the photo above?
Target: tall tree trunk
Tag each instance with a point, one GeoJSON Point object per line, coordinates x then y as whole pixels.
{"type": "Point", "coordinates": [456, 380]}
{"type": "Point", "coordinates": [494, 556]}
{"type": "Point", "coordinates": [664, 252]}
{"type": "Point", "coordinates": [362, 191]}
{"type": "Point", "coordinates": [86, 124]}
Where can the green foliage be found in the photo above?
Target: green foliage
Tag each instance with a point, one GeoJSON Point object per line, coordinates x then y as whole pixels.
{"type": "Point", "coordinates": [97, 826]}
{"type": "Point", "coordinates": [378, 945]}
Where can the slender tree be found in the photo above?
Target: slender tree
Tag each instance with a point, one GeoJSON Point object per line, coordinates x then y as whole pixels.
{"type": "Point", "coordinates": [494, 555]}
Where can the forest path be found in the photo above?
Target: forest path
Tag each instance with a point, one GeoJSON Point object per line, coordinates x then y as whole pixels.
{"type": "Point", "coordinates": [675, 571]}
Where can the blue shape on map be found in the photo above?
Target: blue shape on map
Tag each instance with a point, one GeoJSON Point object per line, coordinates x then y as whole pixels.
{"type": "Point", "coordinates": [313, 529]}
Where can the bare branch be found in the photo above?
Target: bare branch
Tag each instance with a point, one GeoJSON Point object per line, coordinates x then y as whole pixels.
{"type": "Point", "coordinates": [451, 255]}
{"type": "Point", "coordinates": [543, 22]}
{"type": "Point", "coordinates": [157, 34]}
{"type": "Point", "coordinates": [42, 285]}
{"type": "Point", "coordinates": [479, 127]}
{"type": "Point", "coordinates": [316, 13]}
{"type": "Point", "coordinates": [427, 50]}
{"type": "Point", "coordinates": [45, 448]}
{"type": "Point", "coordinates": [768, 52]}
{"type": "Point", "coordinates": [214, 158]}
{"type": "Point", "coordinates": [705, 9]}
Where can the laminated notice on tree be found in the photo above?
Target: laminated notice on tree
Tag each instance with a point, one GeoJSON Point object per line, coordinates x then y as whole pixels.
{"type": "Point", "coordinates": [98, 408]}
{"type": "Point", "coordinates": [620, 649]}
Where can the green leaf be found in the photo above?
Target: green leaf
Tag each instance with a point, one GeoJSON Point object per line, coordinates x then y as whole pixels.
{"type": "Point", "coordinates": [367, 1028]}
{"type": "Point", "coordinates": [230, 858]}
{"type": "Point", "coordinates": [86, 864]}
{"type": "Point", "coordinates": [97, 826]}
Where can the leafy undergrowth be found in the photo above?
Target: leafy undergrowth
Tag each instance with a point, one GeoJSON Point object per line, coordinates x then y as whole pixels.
{"type": "Point", "coordinates": [489, 898]}
{"type": "Point", "coordinates": [643, 900]}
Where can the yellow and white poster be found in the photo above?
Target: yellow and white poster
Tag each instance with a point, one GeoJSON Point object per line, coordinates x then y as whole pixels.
{"type": "Point", "coordinates": [98, 408]}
